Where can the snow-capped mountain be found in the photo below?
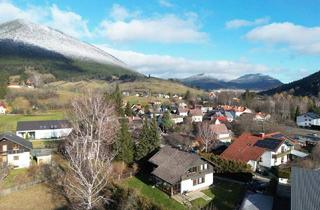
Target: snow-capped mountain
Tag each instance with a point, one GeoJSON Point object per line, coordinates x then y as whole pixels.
{"type": "Point", "coordinates": [53, 40]}
{"type": "Point", "coordinates": [25, 45]}
{"type": "Point", "coordinates": [247, 78]}
{"type": "Point", "coordinates": [248, 81]}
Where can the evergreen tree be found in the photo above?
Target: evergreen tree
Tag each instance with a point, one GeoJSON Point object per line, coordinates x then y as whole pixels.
{"type": "Point", "coordinates": [297, 113]}
{"type": "Point", "coordinates": [143, 146]}
{"type": "Point", "coordinates": [154, 136]}
{"type": "Point", "coordinates": [118, 100]}
{"type": "Point", "coordinates": [128, 110]}
{"type": "Point", "coordinates": [125, 146]}
{"type": "Point", "coordinates": [4, 79]}
{"type": "Point", "coordinates": [166, 121]}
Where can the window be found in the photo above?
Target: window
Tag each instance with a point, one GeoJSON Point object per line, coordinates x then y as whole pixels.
{"type": "Point", "coordinates": [195, 182]}
{"type": "Point", "coordinates": [205, 166]}
{"type": "Point", "coordinates": [193, 169]}
{"type": "Point", "coordinates": [15, 147]}
{"type": "Point", "coordinates": [198, 181]}
{"type": "Point", "coordinates": [4, 148]}
{"type": "Point", "coordinates": [16, 157]}
{"type": "Point", "coordinates": [201, 180]}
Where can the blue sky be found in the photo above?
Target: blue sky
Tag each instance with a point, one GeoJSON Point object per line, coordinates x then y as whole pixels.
{"type": "Point", "coordinates": [168, 38]}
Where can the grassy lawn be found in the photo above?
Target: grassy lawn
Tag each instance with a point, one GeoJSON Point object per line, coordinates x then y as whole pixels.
{"type": "Point", "coordinates": [153, 194]}
{"type": "Point", "coordinates": [14, 176]}
{"type": "Point", "coordinates": [39, 144]}
{"type": "Point", "coordinates": [9, 122]}
{"type": "Point", "coordinates": [37, 197]}
{"type": "Point", "coordinates": [226, 195]}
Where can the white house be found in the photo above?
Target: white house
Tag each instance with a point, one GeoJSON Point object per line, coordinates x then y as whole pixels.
{"type": "Point", "coordinates": [206, 109]}
{"type": "Point", "coordinates": [260, 150]}
{"type": "Point", "coordinates": [196, 115]}
{"type": "Point", "coordinates": [183, 112]}
{"type": "Point", "coordinates": [308, 119]}
{"type": "Point", "coordinates": [178, 172]}
{"type": "Point", "coordinates": [177, 119]}
{"type": "Point", "coordinates": [221, 132]}
{"type": "Point", "coordinates": [50, 129]}
{"type": "Point", "coordinates": [15, 151]}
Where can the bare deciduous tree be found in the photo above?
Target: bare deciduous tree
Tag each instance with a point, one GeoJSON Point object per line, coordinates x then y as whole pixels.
{"type": "Point", "coordinates": [89, 151]}
{"type": "Point", "coordinates": [206, 134]}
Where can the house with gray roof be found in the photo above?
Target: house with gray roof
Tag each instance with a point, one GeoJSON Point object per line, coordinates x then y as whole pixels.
{"type": "Point", "coordinates": [47, 129]}
{"type": "Point", "coordinates": [178, 172]}
{"type": "Point", "coordinates": [308, 119]}
{"type": "Point", "coordinates": [14, 151]}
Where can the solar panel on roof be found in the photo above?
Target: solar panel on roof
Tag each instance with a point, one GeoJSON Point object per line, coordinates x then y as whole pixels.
{"type": "Point", "coordinates": [270, 144]}
{"type": "Point", "coordinates": [278, 136]}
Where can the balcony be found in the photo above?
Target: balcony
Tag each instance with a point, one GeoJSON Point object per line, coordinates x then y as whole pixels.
{"type": "Point", "coordinates": [282, 154]}
{"type": "Point", "coordinates": [14, 151]}
{"type": "Point", "coordinates": [196, 174]}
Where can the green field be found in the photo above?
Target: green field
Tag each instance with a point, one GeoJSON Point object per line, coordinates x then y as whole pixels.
{"type": "Point", "coordinates": [154, 194]}
{"type": "Point", "coordinates": [9, 122]}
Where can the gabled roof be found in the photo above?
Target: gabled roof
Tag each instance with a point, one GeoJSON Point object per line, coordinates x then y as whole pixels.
{"type": "Point", "coordinates": [219, 129]}
{"type": "Point", "coordinates": [312, 115]}
{"type": "Point", "coordinates": [16, 139]}
{"type": "Point", "coordinates": [196, 112]}
{"type": "Point", "coordinates": [172, 163]}
{"type": "Point", "coordinates": [251, 147]}
{"type": "Point", "coordinates": [42, 125]}
{"type": "Point", "coordinates": [244, 149]}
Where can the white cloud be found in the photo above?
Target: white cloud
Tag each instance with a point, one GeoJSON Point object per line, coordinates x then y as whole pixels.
{"type": "Point", "coordinates": [238, 23]}
{"type": "Point", "coordinates": [67, 21]}
{"type": "Point", "coordinates": [9, 11]}
{"type": "Point", "coordinates": [119, 13]}
{"type": "Point", "coordinates": [296, 37]}
{"type": "Point", "coordinates": [165, 3]}
{"type": "Point", "coordinates": [166, 66]}
{"type": "Point", "coordinates": [164, 29]}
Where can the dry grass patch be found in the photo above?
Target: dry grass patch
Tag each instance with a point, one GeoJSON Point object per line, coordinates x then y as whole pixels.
{"type": "Point", "coordinates": [37, 197]}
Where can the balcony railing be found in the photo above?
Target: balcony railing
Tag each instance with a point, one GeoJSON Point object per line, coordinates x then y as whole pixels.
{"type": "Point", "coordinates": [282, 154]}
{"type": "Point", "coordinates": [14, 151]}
{"type": "Point", "coordinates": [197, 173]}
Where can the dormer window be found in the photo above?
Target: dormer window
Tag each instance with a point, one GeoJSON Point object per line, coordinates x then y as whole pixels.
{"type": "Point", "coordinates": [193, 169]}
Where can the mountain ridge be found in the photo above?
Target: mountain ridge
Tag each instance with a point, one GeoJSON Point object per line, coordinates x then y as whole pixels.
{"type": "Point", "coordinates": [307, 86]}
{"type": "Point", "coordinates": [248, 81]}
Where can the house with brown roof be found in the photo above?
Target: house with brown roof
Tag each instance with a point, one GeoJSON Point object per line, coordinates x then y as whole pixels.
{"type": "Point", "coordinates": [221, 132]}
{"type": "Point", "coordinates": [177, 172]}
{"type": "Point", "coordinates": [196, 115]}
{"type": "Point", "coordinates": [265, 150]}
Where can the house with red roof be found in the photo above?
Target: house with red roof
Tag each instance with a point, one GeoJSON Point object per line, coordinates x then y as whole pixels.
{"type": "Point", "coordinates": [264, 150]}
